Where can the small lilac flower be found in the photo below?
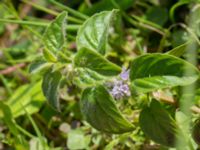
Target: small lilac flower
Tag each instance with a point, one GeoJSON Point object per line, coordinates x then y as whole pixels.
{"type": "Point", "coordinates": [119, 88]}
{"type": "Point", "coordinates": [124, 74]}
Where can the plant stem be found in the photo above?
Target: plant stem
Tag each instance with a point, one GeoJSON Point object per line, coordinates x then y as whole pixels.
{"type": "Point", "coordinates": [75, 20]}
{"type": "Point", "coordinates": [170, 100]}
{"type": "Point", "coordinates": [52, 12]}
{"type": "Point", "coordinates": [25, 132]}
{"type": "Point", "coordinates": [22, 22]}
{"type": "Point", "coordinates": [141, 23]}
{"type": "Point", "coordinates": [39, 7]}
{"type": "Point", "coordinates": [35, 127]}
{"type": "Point", "coordinates": [70, 10]}
{"type": "Point", "coordinates": [73, 27]}
{"type": "Point", "coordinates": [42, 24]}
{"type": "Point", "coordinates": [5, 83]}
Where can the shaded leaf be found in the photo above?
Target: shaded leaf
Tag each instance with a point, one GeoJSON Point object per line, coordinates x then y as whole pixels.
{"type": "Point", "coordinates": [8, 118]}
{"type": "Point", "coordinates": [179, 37]}
{"type": "Point", "coordinates": [157, 15]}
{"type": "Point", "coordinates": [50, 85]}
{"type": "Point", "coordinates": [158, 125]}
{"type": "Point", "coordinates": [108, 5]}
{"type": "Point", "coordinates": [87, 77]}
{"type": "Point", "coordinates": [196, 131]}
{"type": "Point", "coordinates": [87, 58]}
{"type": "Point", "coordinates": [99, 109]}
{"type": "Point", "coordinates": [38, 66]}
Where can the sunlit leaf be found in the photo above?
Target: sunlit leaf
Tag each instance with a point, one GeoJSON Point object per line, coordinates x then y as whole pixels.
{"type": "Point", "coordinates": [77, 140]}
{"type": "Point", "coordinates": [28, 96]}
{"type": "Point", "coordinates": [156, 71]}
{"type": "Point", "coordinates": [55, 36]}
{"type": "Point", "coordinates": [94, 32]}
{"type": "Point", "coordinates": [49, 56]}
{"type": "Point", "coordinates": [179, 50]}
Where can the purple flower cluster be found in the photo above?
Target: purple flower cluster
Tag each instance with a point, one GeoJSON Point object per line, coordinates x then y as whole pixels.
{"type": "Point", "coordinates": [120, 88]}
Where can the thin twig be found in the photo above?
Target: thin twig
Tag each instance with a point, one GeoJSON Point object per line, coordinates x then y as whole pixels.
{"type": "Point", "coordinates": [170, 100]}
{"type": "Point", "coordinates": [12, 69]}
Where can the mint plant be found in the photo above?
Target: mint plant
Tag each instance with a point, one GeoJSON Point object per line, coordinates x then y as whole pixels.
{"type": "Point", "coordinates": [104, 85]}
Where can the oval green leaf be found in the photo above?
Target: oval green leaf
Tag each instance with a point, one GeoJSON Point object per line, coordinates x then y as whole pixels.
{"type": "Point", "coordinates": [94, 32]}
{"type": "Point", "coordinates": [55, 36]}
{"type": "Point", "coordinates": [87, 58]}
{"type": "Point", "coordinates": [28, 95]}
{"type": "Point", "coordinates": [50, 85]}
{"type": "Point", "coordinates": [158, 125]}
{"type": "Point", "coordinates": [156, 71]}
{"type": "Point", "coordinates": [39, 66]}
{"type": "Point", "coordinates": [86, 77]}
{"type": "Point", "coordinates": [99, 109]}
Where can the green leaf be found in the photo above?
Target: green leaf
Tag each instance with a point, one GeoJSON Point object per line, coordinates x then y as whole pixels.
{"type": "Point", "coordinates": [55, 36]}
{"type": "Point", "coordinates": [77, 140]}
{"type": "Point", "coordinates": [197, 95]}
{"type": "Point", "coordinates": [157, 15]}
{"type": "Point", "coordinates": [111, 145]}
{"type": "Point", "coordinates": [94, 32]}
{"type": "Point", "coordinates": [50, 85]}
{"type": "Point", "coordinates": [179, 50]}
{"type": "Point", "coordinates": [38, 66]}
{"type": "Point", "coordinates": [99, 109]}
{"type": "Point", "coordinates": [87, 77]}
{"type": "Point", "coordinates": [196, 131]}
{"type": "Point", "coordinates": [8, 118]}
{"type": "Point", "coordinates": [49, 56]}
{"type": "Point", "coordinates": [87, 58]}
{"type": "Point", "coordinates": [158, 125]}
{"type": "Point", "coordinates": [179, 37]}
{"type": "Point", "coordinates": [35, 143]}
{"type": "Point", "coordinates": [106, 5]}
{"type": "Point", "coordinates": [194, 20]}
{"type": "Point", "coordinates": [29, 96]}
{"type": "Point", "coordinates": [157, 71]}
